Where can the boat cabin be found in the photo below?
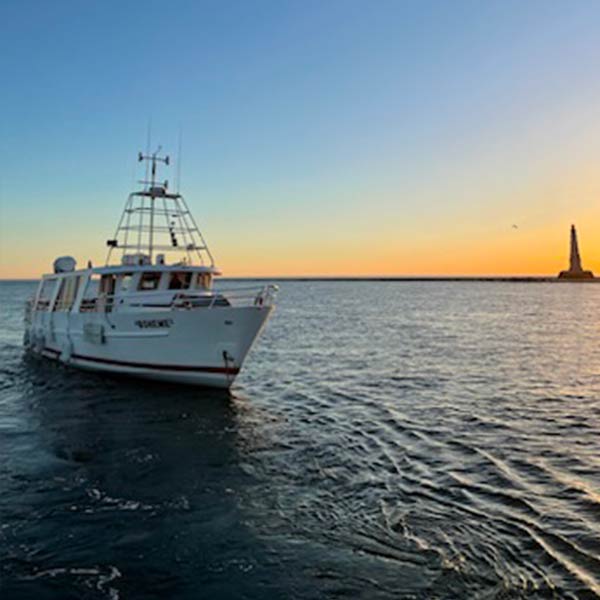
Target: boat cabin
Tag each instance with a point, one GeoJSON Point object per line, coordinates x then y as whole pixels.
{"type": "Point", "coordinates": [109, 288]}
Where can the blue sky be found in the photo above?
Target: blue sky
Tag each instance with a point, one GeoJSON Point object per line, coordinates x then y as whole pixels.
{"type": "Point", "coordinates": [318, 137]}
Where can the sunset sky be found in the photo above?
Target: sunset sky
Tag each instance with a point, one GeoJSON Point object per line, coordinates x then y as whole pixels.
{"type": "Point", "coordinates": [319, 137]}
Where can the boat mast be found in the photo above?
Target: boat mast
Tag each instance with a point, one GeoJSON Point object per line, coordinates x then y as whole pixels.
{"type": "Point", "coordinates": [179, 233]}
{"type": "Point", "coordinates": [153, 190]}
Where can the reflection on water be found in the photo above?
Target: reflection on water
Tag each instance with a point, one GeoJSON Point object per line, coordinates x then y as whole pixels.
{"type": "Point", "coordinates": [384, 440]}
{"type": "Point", "coordinates": [110, 482]}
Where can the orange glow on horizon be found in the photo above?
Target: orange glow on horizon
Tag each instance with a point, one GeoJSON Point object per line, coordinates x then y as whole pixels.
{"type": "Point", "coordinates": [514, 252]}
{"type": "Point", "coordinates": [471, 240]}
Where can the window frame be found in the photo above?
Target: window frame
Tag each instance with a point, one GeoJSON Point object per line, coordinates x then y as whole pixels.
{"type": "Point", "coordinates": [176, 274]}
{"type": "Point", "coordinates": [45, 295]}
{"type": "Point", "coordinates": [203, 281]}
{"type": "Point", "coordinates": [129, 277]}
{"type": "Point", "coordinates": [67, 293]}
{"type": "Point", "coordinates": [149, 276]}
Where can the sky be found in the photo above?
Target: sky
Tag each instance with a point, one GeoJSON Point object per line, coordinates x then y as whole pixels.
{"type": "Point", "coordinates": [318, 137]}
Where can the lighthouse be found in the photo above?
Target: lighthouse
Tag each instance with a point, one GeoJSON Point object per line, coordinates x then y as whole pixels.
{"type": "Point", "coordinates": [575, 270]}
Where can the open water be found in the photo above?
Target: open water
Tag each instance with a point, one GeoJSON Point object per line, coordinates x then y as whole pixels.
{"type": "Point", "coordinates": [384, 440]}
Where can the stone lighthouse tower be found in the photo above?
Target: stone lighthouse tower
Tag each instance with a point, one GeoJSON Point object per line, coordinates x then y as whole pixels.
{"type": "Point", "coordinates": [575, 269]}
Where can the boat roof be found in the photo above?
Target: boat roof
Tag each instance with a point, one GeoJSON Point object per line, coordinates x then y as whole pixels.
{"type": "Point", "coordinates": [122, 269]}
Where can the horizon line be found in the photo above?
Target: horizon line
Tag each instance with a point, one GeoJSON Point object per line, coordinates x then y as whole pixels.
{"type": "Point", "coordinates": [400, 278]}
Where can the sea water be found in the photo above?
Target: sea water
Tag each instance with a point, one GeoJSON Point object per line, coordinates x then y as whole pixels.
{"type": "Point", "coordinates": [384, 440]}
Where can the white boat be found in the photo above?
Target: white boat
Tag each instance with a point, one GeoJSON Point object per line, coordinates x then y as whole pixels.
{"type": "Point", "coordinates": [155, 314]}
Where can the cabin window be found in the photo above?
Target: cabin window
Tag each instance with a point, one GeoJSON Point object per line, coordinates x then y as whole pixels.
{"type": "Point", "coordinates": [180, 281]}
{"type": "Point", "coordinates": [106, 293]}
{"type": "Point", "coordinates": [67, 293]}
{"type": "Point", "coordinates": [149, 281]}
{"type": "Point", "coordinates": [45, 296]}
{"type": "Point", "coordinates": [90, 295]}
{"type": "Point", "coordinates": [125, 282]}
{"type": "Point", "coordinates": [107, 285]}
{"type": "Point", "coordinates": [204, 281]}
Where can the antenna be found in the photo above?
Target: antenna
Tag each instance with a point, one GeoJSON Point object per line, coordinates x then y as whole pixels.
{"type": "Point", "coordinates": [148, 143]}
{"type": "Point", "coordinates": [152, 159]}
{"type": "Point", "coordinates": [178, 175]}
{"type": "Point", "coordinates": [154, 190]}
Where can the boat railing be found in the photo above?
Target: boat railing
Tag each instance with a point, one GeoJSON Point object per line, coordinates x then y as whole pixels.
{"type": "Point", "coordinates": [28, 310]}
{"type": "Point", "coordinates": [250, 296]}
{"type": "Point", "coordinates": [219, 298]}
{"type": "Point", "coordinates": [234, 297]}
{"type": "Point", "coordinates": [88, 305]}
{"type": "Point", "coordinates": [103, 303]}
{"type": "Point", "coordinates": [42, 305]}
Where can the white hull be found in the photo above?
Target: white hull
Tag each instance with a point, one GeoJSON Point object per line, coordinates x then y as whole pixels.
{"type": "Point", "coordinates": [199, 347]}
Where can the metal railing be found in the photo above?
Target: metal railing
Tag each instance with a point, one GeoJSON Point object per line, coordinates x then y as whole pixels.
{"type": "Point", "coordinates": [103, 303]}
{"type": "Point", "coordinates": [28, 310]}
{"type": "Point", "coordinates": [235, 297]}
{"type": "Point", "coordinates": [42, 305]}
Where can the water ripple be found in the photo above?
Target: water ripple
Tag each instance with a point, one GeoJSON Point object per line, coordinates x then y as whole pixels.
{"type": "Point", "coordinates": [414, 441]}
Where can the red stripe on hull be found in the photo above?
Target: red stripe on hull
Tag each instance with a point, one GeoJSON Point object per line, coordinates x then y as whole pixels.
{"type": "Point", "coordinates": [123, 363]}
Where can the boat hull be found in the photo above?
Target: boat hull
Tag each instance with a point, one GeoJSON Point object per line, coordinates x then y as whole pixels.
{"type": "Point", "coordinates": [205, 347]}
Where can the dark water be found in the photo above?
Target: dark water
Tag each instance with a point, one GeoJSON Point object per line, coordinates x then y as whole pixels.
{"type": "Point", "coordinates": [385, 440]}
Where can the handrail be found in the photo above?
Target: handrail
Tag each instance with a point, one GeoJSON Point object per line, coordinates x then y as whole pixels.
{"type": "Point", "coordinates": [218, 298]}
{"type": "Point", "coordinates": [260, 296]}
{"type": "Point", "coordinates": [29, 310]}
{"type": "Point", "coordinates": [251, 296]}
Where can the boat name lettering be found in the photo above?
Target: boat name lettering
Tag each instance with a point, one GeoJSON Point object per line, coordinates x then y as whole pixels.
{"type": "Point", "coordinates": [145, 323]}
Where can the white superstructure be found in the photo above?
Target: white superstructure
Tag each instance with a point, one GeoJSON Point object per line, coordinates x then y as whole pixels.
{"type": "Point", "coordinates": [155, 313]}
